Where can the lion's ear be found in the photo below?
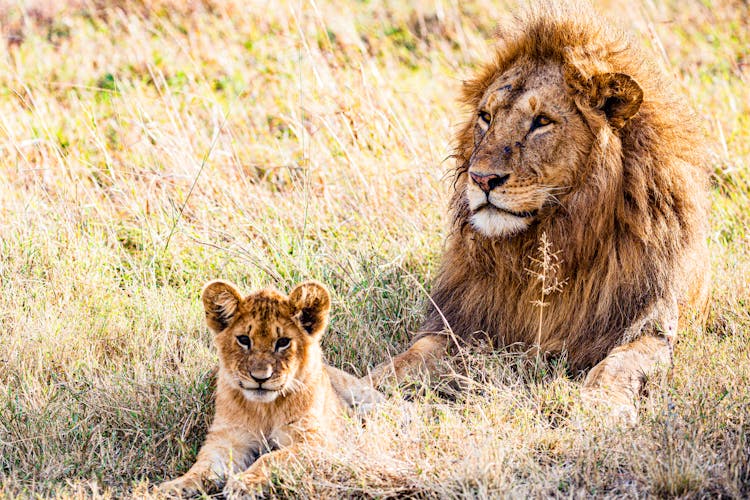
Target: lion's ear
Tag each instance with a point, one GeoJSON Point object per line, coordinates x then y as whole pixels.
{"type": "Point", "coordinates": [618, 95]}
{"type": "Point", "coordinates": [311, 303]}
{"type": "Point", "coordinates": [220, 301]}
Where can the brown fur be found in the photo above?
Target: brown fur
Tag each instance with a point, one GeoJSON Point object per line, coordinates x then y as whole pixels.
{"type": "Point", "coordinates": [305, 402]}
{"type": "Point", "coordinates": [616, 185]}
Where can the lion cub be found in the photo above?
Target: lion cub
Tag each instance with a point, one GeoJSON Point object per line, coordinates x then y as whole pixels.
{"type": "Point", "coordinates": [274, 392]}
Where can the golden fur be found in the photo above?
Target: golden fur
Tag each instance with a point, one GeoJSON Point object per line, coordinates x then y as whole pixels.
{"type": "Point", "coordinates": [274, 392]}
{"type": "Point", "coordinates": [576, 138]}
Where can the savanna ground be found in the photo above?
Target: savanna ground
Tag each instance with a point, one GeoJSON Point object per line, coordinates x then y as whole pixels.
{"type": "Point", "coordinates": [148, 146]}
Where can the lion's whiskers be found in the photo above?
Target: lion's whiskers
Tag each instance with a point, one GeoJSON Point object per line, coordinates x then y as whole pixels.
{"type": "Point", "coordinates": [292, 387]}
{"type": "Point", "coordinates": [553, 191]}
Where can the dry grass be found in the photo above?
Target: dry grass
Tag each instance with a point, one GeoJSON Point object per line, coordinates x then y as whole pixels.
{"type": "Point", "coordinates": [147, 146]}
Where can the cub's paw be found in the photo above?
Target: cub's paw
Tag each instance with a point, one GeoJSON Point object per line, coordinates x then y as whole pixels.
{"type": "Point", "coordinates": [190, 486]}
{"type": "Point", "coordinates": [246, 486]}
{"type": "Point", "coordinates": [180, 488]}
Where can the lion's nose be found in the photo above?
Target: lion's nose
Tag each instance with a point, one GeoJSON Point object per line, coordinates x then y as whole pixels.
{"type": "Point", "coordinates": [488, 182]}
{"type": "Point", "coordinates": [260, 375]}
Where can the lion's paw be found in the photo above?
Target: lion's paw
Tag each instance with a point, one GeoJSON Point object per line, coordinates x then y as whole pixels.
{"type": "Point", "coordinates": [601, 404]}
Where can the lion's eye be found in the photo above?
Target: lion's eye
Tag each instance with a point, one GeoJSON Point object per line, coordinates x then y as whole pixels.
{"type": "Point", "coordinates": [540, 121]}
{"type": "Point", "coordinates": [282, 344]}
{"type": "Point", "coordinates": [485, 117]}
{"type": "Point", "coordinates": [244, 341]}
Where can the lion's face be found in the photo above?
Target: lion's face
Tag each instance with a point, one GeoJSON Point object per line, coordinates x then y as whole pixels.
{"type": "Point", "coordinates": [529, 142]}
{"type": "Point", "coordinates": [262, 350]}
{"type": "Point", "coordinates": [266, 339]}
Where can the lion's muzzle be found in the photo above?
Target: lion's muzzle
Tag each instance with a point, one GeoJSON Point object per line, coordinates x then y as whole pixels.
{"type": "Point", "coordinates": [488, 182]}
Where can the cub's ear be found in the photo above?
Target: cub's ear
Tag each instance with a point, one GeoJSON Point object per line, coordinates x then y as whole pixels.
{"type": "Point", "coordinates": [618, 95]}
{"type": "Point", "coordinates": [311, 303]}
{"type": "Point", "coordinates": [220, 301]}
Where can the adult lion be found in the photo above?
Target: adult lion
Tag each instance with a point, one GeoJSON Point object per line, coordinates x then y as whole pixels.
{"type": "Point", "coordinates": [575, 139]}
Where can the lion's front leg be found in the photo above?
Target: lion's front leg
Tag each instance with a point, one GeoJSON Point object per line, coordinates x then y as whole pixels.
{"type": "Point", "coordinates": [617, 381]}
{"type": "Point", "coordinates": [423, 356]}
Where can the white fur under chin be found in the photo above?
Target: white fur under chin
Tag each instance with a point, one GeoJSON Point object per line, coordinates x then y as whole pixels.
{"type": "Point", "coordinates": [494, 223]}
{"type": "Point", "coordinates": [260, 397]}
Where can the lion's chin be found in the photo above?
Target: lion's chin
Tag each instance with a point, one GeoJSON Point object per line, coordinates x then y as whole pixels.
{"type": "Point", "coordinates": [260, 395]}
{"type": "Point", "coordinates": [495, 223]}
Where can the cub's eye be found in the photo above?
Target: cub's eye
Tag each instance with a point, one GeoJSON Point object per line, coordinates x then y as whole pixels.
{"type": "Point", "coordinates": [485, 117]}
{"type": "Point", "coordinates": [244, 341]}
{"type": "Point", "coordinates": [540, 121]}
{"type": "Point", "coordinates": [282, 344]}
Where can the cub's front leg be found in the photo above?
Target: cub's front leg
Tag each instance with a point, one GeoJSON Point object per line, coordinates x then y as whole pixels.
{"type": "Point", "coordinates": [225, 451]}
{"type": "Point", "coordinates": [258, 476]}
{"type": "Point", "coordinates": [289, 442]}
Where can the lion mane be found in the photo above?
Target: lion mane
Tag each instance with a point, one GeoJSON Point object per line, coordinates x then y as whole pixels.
{"type": "Point", "coordinates": [625, 237]}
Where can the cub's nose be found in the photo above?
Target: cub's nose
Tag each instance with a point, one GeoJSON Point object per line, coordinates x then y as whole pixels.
{"type": "Point", "coordinates": [488, 182]}
{"type": "Point", "coordinates": [261, 374]}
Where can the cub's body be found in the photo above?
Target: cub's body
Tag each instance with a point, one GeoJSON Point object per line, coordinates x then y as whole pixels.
{"type": "Point", "coordinates": [274, 392]}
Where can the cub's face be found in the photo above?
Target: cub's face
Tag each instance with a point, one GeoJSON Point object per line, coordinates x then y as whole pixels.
{"type": "Point", "coordinates": [266, 340]}
{"type": "Point", "coordinates": [529, 140]}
